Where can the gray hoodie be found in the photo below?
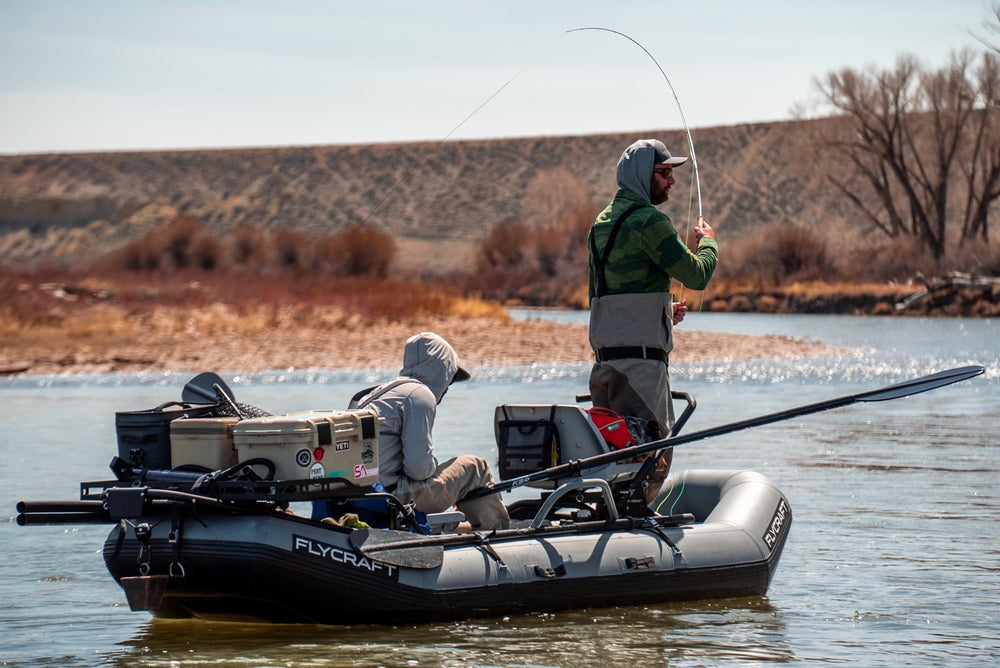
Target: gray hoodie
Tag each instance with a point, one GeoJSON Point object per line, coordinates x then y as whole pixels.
{"type": "Point", "coordinates": [635, 167]}
{"type": "Point", "coordinates": [409, 405]}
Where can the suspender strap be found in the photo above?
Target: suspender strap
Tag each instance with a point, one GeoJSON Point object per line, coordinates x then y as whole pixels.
{"type": "Point", "coordinates": [361, 399]}
{"type": "Point", "coordinates": [601, 259]}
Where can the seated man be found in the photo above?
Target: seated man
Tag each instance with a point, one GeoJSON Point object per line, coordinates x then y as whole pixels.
{"type": "Point", "coordinates": [407, 466]}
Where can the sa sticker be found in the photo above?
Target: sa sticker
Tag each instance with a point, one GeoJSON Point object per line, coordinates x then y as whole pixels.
{"type": "Point", "coordinates": [317, 471]}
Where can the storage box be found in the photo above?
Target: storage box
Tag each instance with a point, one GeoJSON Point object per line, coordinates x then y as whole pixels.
{"type": "Point", "coordinates": [314, 444]}
{"type": "Point", "coordinates": [204, 442]}
{"type": "Point", "coordinates": [144, 436]}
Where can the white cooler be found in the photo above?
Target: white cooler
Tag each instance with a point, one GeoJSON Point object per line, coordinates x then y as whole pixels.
{"type": "Point", "coordinates": [206, 442]}
{"type": "Point", "coordinates": [314, 444]}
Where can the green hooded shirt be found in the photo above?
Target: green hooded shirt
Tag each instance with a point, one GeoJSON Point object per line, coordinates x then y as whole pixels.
{"type": "Point", "coordinates": [648, 252]}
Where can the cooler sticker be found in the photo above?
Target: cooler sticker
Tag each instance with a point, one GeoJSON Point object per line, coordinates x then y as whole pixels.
{"type": "Point", "coordinates": [359, 471]}
{"type": "Point", "coordinates": [367, 452]}
{"type": "Point", "coordinates": [303, 457]}
{"type": "Point", "coordinates": [317, 471]}
{"type": "Point", "coordinates": [316, 549]}
{"type": "Point", "coordinates": [778, 524]}
{"type": "Point", "coordinates": [343, 445]}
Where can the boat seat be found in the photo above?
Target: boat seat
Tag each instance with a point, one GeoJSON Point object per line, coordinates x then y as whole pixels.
{"type": "Point", "coordinates": [535, 437]}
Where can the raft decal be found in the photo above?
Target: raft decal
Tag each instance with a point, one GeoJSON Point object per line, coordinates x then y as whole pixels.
{"type": "Point", "coordinates": [778, 525]}
{"type": "Point", "coordinates": [325, 551]}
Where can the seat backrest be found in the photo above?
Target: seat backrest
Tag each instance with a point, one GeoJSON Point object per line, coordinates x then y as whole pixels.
{"type": "Point", "coordinates": [576, 438]}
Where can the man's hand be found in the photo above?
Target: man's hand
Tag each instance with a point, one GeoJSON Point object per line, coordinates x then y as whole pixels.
{"type": "Point", "coordinates": [680, 308]}
{"type": "Point", "coordinates": [703, 229]}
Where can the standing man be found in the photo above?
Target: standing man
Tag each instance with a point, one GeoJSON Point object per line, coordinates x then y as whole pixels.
{"type": "Point", "coordinates": [634, 253]}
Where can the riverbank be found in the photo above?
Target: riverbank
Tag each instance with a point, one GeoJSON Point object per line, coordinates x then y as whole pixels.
{"type": "Point", "coordinates": [108, 339]}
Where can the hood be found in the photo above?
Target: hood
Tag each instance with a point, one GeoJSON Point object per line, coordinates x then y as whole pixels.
{"type": "Point", "coordinates": [635, 167]}
{"type": "Point", "coordinates": [431, 360]}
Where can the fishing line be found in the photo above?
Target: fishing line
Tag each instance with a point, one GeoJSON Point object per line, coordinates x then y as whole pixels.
{"type": "Point", "coordinates": [406, 175]}
{"type": "Point", "coordinates": [687, 131]}
{"type": "Point", "coordinates": [427, 154]}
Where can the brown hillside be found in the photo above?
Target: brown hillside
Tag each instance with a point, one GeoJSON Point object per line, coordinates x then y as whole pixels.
{"type": "Point", "coordinates": [63, 209]}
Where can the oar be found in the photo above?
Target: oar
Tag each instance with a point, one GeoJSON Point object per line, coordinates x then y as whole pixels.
{"type": "Point", "coordinates": [897, 391]}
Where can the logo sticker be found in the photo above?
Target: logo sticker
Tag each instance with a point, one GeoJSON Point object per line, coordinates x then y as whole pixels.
{"type": "Point", "coordinates": [318, 550]}
{"type": "Point", "coordinates": [317, 472]}
{"type": "Point", "coordinates": [778, 525]}
{"type": "Point", "coordinates": [303, 457]}
{"type": "Point", "coordinates": [343, 445]}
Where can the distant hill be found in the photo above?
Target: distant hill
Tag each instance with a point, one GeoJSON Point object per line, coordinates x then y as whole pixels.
{"type": "Point", "coordinates": [67, 208]}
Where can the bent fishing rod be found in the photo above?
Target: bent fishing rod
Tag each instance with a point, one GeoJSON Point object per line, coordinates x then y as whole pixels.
{"type": "Point", "coordinates": [430, 151]}
{"type": "Point", "coordinates": [897, 391]}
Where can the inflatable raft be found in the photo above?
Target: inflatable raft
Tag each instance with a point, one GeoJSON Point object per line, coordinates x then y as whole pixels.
{"type": "Point", "coordinates": [221, 544]}
{"type": "Point", "coordinates": [184, 557]}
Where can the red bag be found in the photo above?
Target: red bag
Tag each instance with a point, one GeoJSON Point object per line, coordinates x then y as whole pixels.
{"type": "Point", "coordinates": [612, 427]}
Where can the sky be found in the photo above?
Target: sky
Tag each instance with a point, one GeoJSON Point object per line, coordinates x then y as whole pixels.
{"type": "Point", "coordinates": [112, 75]}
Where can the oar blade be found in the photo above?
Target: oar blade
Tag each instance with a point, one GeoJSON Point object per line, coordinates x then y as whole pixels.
{"type": "Point", "coordinates": [201, 389]}
{"type": "Point", "coordinates": [918, 385]}
{"type": "Point", "coordinates": [390, 547]}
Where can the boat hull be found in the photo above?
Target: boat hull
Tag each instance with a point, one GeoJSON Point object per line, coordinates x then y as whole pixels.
{"type": "Point", "coordinates": [282, 568]}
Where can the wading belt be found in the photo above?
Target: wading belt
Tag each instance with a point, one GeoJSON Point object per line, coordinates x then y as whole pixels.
{"type": "Point", "coordinates": [600, 261]}
{"type": "Point", "coordinates": [631, 352]}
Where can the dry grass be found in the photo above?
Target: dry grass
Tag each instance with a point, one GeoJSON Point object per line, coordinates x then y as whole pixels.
{"type": "Point", "coordinates": [90, 306]}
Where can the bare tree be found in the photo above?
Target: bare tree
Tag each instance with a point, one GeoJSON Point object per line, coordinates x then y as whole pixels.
{"type": "Point", "coordinates": [992, 25]}
{"type": "Point", "coordinates": [914, 138]}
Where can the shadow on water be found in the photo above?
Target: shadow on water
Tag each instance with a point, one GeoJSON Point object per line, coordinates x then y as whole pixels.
{"type": "Point", "coordinates": [748, 629]}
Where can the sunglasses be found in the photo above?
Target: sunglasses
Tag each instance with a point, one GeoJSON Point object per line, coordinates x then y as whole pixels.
{"type": "Point", "coordinates": [665, 172]}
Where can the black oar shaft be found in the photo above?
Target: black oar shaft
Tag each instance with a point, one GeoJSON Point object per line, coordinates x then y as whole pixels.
{"type": "Point", "coordinates": [899, 390]}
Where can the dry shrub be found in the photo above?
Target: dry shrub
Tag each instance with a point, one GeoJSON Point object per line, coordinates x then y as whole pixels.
{"type": "Point", "coordinates": [550, 247]}
{"type": "Point", "coordinates": [290, 250]}
{"type": "Point", "coordinates": [979, 257]}
{"type": "Point", "coordinates": [504, 247]}
{"type": "Point", "coordinates": [777, 254]}
{"type": "Point", "coordinates": [356, 251]}
{"type": "Point", "coordinates": [248, 247]}
{"type": "Point", "coordinates": [541, 266]}
{"type": "Point", "coordinates": [551, 193]}
{"type": "Point", "coordinates": [183, 242]}
{"type": "Point", "coordinates": [366, 252]}
{"type": "Point", "coordinates": [179, 243]}
{"type": "Point", "coordinates": [890, 260]}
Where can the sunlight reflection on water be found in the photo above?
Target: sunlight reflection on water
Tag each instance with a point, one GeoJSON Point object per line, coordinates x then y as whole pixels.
{"type": "Point", "coordinates": [892, 556]}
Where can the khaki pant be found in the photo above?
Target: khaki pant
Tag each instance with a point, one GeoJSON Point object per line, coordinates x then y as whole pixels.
{"type": "Point", "coordinates": [451, 481]}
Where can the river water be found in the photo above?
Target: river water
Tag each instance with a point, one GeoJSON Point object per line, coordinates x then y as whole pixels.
{"type": "Point", "coordinates": [893, 556]}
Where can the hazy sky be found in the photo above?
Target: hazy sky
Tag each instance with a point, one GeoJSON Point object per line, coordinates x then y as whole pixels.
{"type": "Point", "coordinates": [148, 74]}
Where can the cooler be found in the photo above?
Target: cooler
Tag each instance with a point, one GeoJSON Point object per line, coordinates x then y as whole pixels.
{"type": "Point", "coordinates": [314, 444]}
{"type": "Point", "coordinates": [205, 442]}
